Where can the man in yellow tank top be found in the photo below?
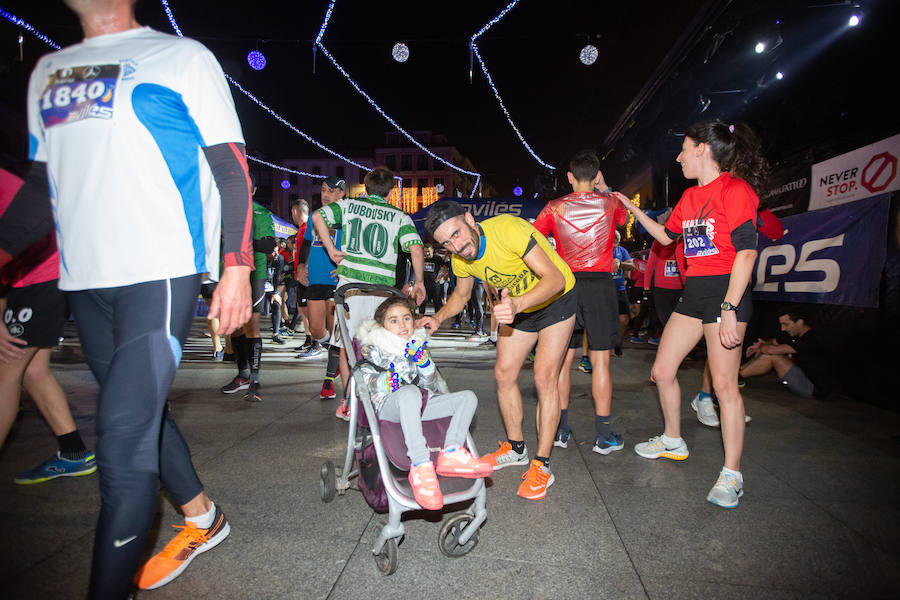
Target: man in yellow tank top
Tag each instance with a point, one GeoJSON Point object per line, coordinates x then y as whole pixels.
{"type": "Point", "coordinates": [531, 290]}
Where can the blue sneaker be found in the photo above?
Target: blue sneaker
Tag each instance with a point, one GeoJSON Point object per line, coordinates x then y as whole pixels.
{"type": "Point", "coordinates": [58, 466]}
{"type": "Point", "coordinates": [609, 445]}
{"type": "Point", "coordinates": [636, 340]}
{"type": "Point", "coordinates": [562, 437]}
{"type": "Point", "coordinates": [585, 365]}
{"type": "Point", "coordinates": [654, 341]}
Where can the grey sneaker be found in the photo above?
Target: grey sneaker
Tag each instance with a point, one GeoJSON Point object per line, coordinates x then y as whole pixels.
{"type": "Point", "coordinates": [606, 446]}
{"type": "Point", "coordinates": [562, 437]}
{"type": "Point", "coordinates": [505, 456]}
{"type": "Point", "coordinates": [727, 490]}
{"type": "Point", "coordinates": [314, 350]}
{"type": "Point", "coordinates": [655, 448]}
{"type": "Point", "coordinates": [706, 411]}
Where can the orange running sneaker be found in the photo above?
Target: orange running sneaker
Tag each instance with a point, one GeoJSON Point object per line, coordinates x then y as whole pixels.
{"type": "Point", "coordinates": [459, 462]}
{"type": "Point", "coordinates": [178, 554]}
{"type": "Point", "coordinates": [505, 456]}
{"type": "Point", "coordinates": [426, 489]}
{"type": "Point", "coordinates": [536, 480]}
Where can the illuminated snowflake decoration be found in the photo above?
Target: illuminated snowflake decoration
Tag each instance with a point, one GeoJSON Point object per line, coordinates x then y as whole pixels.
{"type": "Point", "coordinates": [256, 60]}
{"type": "Point", "coordinates": [589, 54]}
{"type": "Point", "coordinates": [400, 52]}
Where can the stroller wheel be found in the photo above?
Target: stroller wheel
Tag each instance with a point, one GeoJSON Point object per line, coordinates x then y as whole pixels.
{"type": "Point", "coordinates": [448, 538]}
{"type": "Point", "coordinates": [326, 482]}
{"type": "Point", "coordinates": [386, 560]}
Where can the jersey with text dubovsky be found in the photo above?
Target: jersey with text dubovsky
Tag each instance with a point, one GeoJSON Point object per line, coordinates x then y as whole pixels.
{"type": "Point", "coordinates": [508, 240]}
{"type": "Point", "coordinates": [121, 121]}
{"type": "Point", "coordinates": [584, 226]}
{"type": "Point", "coordinates": [372, 232]}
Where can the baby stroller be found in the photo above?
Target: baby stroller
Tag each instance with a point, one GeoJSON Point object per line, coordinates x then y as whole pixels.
{"type": "Point", "coordinates": [382, 463]}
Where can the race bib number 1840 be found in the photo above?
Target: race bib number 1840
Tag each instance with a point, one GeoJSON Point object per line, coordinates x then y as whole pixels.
{"type": "Point", "coordinates": [76, 93]}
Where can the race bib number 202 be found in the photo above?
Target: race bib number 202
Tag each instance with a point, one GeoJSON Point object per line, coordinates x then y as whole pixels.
{"type": "Point", "coordinates": [76, 93]}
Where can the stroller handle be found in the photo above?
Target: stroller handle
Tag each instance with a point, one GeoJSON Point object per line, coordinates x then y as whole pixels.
{"type": "Point", "coordinates": [364, 287]}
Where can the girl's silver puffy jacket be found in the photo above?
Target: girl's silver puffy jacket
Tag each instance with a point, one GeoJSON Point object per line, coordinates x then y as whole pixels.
{"type": "Point", "coordinates": [381, 347]}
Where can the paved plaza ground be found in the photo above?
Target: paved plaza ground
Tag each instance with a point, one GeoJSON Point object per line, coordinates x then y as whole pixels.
{"type": "Point", "coordinates": [820, 516]}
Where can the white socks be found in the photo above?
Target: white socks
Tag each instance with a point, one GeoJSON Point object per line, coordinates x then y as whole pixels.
{"type": "Point", "coordinates": [671, 442]}
{"type": "Point", "coordinates": [205, 520]}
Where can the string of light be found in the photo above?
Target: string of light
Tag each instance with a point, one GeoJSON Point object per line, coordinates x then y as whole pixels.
{"type": "Point", "coordinates": [263, 106]}
{"type": "Point", "coordinates": [26, 26]}
{"type": "Point", "coordinates": [285, 169]}
{"type": "Point", "coordinates": [374, 105]}
{"type": "Point", "coordinates": [474, 48]}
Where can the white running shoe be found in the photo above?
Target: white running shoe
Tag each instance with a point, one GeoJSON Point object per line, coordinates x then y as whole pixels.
{"type": "Point", "coordinates": [655, 448]}
{"type": "Point", "coordinates": [728, 489]}
{"type": "Point", "coordinates": [706, 411]}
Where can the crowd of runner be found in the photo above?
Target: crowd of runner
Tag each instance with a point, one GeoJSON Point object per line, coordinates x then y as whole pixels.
{"type": "Point", "coordinates": [169, 157]}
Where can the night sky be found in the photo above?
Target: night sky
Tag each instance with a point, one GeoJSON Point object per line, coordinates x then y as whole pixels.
{"type": "Point", "coordinates": [559, 104]}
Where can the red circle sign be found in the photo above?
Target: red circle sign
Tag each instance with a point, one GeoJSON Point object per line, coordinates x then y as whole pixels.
{"type": "Point", "coordinates": [880, 172]}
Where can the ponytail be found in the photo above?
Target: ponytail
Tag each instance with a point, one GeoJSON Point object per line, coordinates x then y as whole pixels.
{"type": "Point", "coordinates": [736, 148]}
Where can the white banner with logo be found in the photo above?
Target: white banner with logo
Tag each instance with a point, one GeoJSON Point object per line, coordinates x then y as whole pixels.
{"type": "Point", "coordinates": [864, 172]}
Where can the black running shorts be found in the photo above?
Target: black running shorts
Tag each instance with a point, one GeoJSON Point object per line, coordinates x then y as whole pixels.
{"type": "Point", "coordinates": [320, 291]}
{"type": "Point", "coordinates": [257, 294]}
{"type": "Point", "coordinates": [597, 312]}
{"type": "Point", "coordinates": [703, 296]}
{"type": "Point", "coordinates": [559, 310]}
{"type": "Point", "coordinates": [36, 313]}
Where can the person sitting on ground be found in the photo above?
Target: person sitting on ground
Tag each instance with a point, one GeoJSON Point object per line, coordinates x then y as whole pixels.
{"type": "Point", "coordinates": [803, 364]}
{"type": "Point", "coordinates": [397, 367]}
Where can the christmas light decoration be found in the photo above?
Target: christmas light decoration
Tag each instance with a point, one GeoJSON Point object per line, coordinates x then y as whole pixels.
{"type": "Point", "coordinates": [473, 47]}
{"type": "Point", "coordinates": [400, 52]}
{"type": "Point", "coordinates": [27, 27]}
{"type": "Point", "coordinates": [589, 54]}
{"type": "Point", "coordinates": [256, 60]}
{"type": "Point", "coordinates": [371, 101]}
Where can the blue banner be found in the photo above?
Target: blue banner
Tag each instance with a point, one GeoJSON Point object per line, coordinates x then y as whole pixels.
{"type": "Point", "coordinates": [829, 256]}
{"type": "Point", "coordinates": [282, 228]}
{"type": "Point", "coordinates": [483, 208]}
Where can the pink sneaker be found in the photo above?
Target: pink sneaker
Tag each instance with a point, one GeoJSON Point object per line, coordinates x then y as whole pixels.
{"type": "Point", "coordinates": [461, 463]}
{"type": "Point", "coordinates": [343, 410]}
{"type": "Point", "coordinates": [425, 486]}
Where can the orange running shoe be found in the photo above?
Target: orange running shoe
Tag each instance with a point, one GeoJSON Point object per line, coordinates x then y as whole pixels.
{"type": "Point", "coordinates": [425, 486]}
{"type": "Point", "coordinates": [505, 456]}
{"type": "Point", "coordinates": [536, 480]}
{"type": "Point", "coordinates": [460, 463]}
{"type": "Point", "coordinates": [178, 554]}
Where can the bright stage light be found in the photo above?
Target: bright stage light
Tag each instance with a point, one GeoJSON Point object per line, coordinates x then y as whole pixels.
{"type": "Point", "coordinates": [854, 21]}
{"type": "Point", "coordinates": [256, 60]}
{"type": "Point", "coordinates": [760, 48]}
{"type": "Point", "coordinates": [779, 75]}
{"type": "Point", "coordinates": [517, 191]}
{"type": "Point", "coordinates": [285, 184]}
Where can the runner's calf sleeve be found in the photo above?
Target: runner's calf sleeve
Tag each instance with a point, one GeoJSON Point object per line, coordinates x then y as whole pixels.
{"type": "Point", "coordinates": [334, 361]}
{"type": "Point", "coordinates": [255, 345]}
{"type": "Point", "coordinates": [241, 354]}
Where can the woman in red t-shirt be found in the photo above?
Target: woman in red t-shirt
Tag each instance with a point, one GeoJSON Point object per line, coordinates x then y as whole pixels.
{"type": "Point", "coordinates": [717, 219]}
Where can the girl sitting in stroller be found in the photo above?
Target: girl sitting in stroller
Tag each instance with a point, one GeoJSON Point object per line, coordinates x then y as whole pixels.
{"type": "Point", "coordinates": [397, 369]}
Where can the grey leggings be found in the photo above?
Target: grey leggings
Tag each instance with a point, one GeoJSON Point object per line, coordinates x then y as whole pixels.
{"type": "Point", "coordinates": [405, 407]}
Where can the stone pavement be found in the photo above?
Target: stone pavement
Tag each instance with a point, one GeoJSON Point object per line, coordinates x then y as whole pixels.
{"type": "Point", "coordinates": [820, 516]}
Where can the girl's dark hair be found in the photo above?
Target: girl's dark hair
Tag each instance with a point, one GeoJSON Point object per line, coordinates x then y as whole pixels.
{"type": "Point", "coordinates": [393, 301]}
{"type": "Point", "coordinates": [736, 148]}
